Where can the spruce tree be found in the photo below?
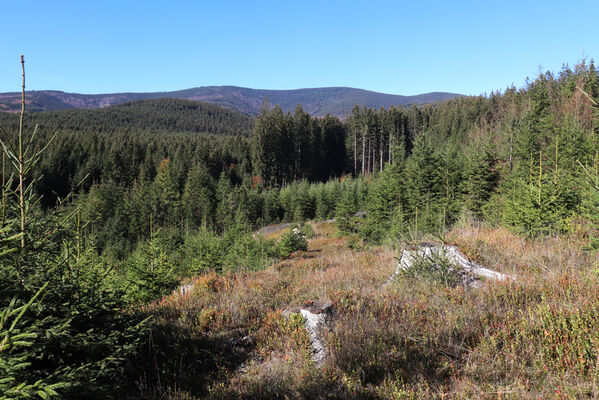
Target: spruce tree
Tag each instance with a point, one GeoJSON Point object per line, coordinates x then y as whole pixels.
{"type": "Point", "coordinates": [80, 335]}
{"type": "Point", "coordinates": [384, 199]}
{"type": "Point", "coordinates": [425, 184]}
{"type": "Point", "coordinates": [345, 210]}
{"type": "Point", "coordinates": [480, 178]}
{"type": "Point", "coordinates": [199, 198]}
{"type": "Point", "coordinates": [165, 193]}
{"type": "Point", "coordinates": [225, 207]}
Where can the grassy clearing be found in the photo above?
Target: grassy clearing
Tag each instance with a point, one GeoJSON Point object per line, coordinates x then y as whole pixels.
{"type": "Point", "coordinates": [537, 336]}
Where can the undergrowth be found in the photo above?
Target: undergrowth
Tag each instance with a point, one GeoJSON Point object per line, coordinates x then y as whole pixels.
{"type": "Point", "coordinates": [535, 336]}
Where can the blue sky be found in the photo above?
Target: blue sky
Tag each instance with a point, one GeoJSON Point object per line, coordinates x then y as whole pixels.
{"type": "Point", "coordinates": [400, 47]}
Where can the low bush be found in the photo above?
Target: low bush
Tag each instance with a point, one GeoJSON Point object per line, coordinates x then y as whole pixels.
{"type": "Point", "coordinates": [291, 241]}
{"type": "Point", "coordinates": [435, 269]}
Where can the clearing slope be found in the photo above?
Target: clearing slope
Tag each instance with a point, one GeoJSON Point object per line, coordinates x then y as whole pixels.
{"type": "Point", "coordinates": [230, 337]}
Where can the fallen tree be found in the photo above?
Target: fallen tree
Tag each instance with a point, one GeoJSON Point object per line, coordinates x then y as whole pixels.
{"type": "Point", "coordinates": [440, 256]}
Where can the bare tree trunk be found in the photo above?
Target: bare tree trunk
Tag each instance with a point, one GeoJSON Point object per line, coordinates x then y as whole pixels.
{"type": "Point", "coordinates": [355, 153]}
{"type": "Point", "coordinates": [369, 155]}
{"type": "Point", "coordinates": [511, 146]}
{"type": "Point", "coordinates": [299, 163]}
{"type": "Point", "coordinates": [21, 166]}
{"type": "Point", "coordinates": [390, 137]}
{"type": "Point", "coordinates": [381, 153]}
{"type": "Point", "coordinates": [363, 150]}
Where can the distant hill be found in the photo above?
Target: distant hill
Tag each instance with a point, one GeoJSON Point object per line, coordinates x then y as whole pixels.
{"type": "Point", "coordinates": [155, 115]}
{"type": "Point", "coordinates": [318, 101]}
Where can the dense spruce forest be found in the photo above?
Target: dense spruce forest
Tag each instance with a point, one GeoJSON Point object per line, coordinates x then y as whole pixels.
{"type": "Point", "coordinates": [127, 201]}
{"type": "Point", "coordinates": [142, 116]}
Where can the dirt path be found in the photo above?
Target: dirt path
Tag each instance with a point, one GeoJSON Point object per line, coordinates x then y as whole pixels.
{"type": "Point", "coordinates": [268, 229]}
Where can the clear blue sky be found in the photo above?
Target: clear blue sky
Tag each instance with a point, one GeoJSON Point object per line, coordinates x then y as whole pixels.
{"type": "Point", "coordinates": [400, 47]}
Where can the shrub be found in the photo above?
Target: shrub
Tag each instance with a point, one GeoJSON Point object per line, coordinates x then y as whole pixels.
{"type": "Point", "coordinates": [245, 252]}
{"type": "Point", "coordinates": [291, 241]}
{"type": "Point", "coordinates": [149, 273]}
{"type": "Point", "coordinates": [307, 231]}
{"type": "Point", "coordinates": [202, 251]}
{"type": "Point", "coordinates": [435, 269]}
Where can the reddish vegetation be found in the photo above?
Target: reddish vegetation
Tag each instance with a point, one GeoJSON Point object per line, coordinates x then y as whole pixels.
{"type": "Point", "coordinates": [529, 338]}
{"type": "Point", "coordinates": [256, 181]}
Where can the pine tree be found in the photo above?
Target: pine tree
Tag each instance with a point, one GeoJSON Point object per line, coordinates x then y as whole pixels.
{"type": "Point", "coordinates": [149, 273]}
{"type": "Point", "coordinates": [199, 198]}
{"type": "Point", "coordinates": [384, 199]}
{"type": "Point", "coordinates": [590, 203]}
{"type": "Point", "coordinates": [540, 204]}
{"type": "Point", "coordinates": [302, 143]}
{"type": "Point", "coordinates": [345, 210]}
{"type": "Point", "coordinates": [481, 177]}
{"type": "Point", "coordinates": [537, 125]}
{"type": "Point", "coordinates": [273, 147]}
{"type": "Point", "coordinates": [334, 153]}
{"type": "Point", "coordinates": [166, 199]}
{"type": "Point", "coordinates": [225, 207]}
{"type": "Point", "coordinates": [425, 184]}
{"type": "Point", "coordinates": [78, 338]}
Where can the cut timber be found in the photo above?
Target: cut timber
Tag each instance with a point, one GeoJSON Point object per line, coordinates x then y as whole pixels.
{"type": "Point", "coordinates": [432, 251]}
{"type": "Point", "coordinates": [185, 289]}
{"type": "Point", "coordinates": [319, 317]}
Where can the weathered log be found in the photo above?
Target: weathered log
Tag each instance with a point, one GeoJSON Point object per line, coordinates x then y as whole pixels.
{"type": "Point", "coordinates": [319, 316]}
{"type": "Point", "coordinates": [432, 251]}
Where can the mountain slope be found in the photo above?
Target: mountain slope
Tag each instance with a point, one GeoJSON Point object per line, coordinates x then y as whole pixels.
{"type": "Point", "coordinates": [317, 101]}
{"type": "Point", "coordinates": [155, 115]}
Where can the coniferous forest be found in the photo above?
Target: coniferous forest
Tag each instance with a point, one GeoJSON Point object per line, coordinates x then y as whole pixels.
{"type": "Point", "coordinates": [105, 214]}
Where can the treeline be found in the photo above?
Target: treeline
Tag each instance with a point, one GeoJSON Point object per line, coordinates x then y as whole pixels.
{"type": "Point", "coordinates": [130, 183]}
{"type": "Point", "coordinates": [125, 184]}
{"type": "Point", "coordinates": [379, 137]}
{"type": "Point", "coordinates": [74, 162]}
{"type": "Point", "coordinates": [287, 148]}
{"type": "Point", "coordinates": [525, 159]}
{"type": "Point", "coordinates": [142, 116]}
{"type": "Point", "coordinates": [479, 154]}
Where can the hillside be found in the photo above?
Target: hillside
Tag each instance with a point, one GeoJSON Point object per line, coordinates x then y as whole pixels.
{"type": "Point", "coordinates": [154, 274]}
{"type": "Point", "coordinates": [158, 115]}
{"type": "Point", "coordinates": [414, 338]}
{"type": "Point", "coordinates": [316, 101]}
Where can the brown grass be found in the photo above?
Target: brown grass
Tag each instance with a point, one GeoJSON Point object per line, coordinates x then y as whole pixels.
{"type": "Point", "coordinates": [534, 337]}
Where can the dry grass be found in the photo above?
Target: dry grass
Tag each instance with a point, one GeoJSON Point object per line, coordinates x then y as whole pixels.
{"type": "Point", "coordinates": [325, 229]}
{"type": "Point", "coordinates": [537, 336]}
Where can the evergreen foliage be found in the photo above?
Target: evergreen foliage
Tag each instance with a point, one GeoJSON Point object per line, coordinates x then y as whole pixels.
{"type": "Point", "coordinates": [289, 147]}
{"type": "Point", "coordinates": [480, 177]}
{"type": "Point", "coordinates": [16, 339]}
{"type": "Point", "coordinates": [79, 336]}
{"type": "Point", "coordinates": [291, 241]}
{"type": "Point", "coordinates": [346, 209]}
{"type": "Point", "coordinates": [141, 116]}
{"type": "Point", "coordinates": [385, 200]}
{"type": "Point", "coordinates": [108, 219]}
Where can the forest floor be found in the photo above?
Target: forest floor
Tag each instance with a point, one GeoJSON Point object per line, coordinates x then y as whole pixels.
{"type": "Point", "coordinates": [534, 337]}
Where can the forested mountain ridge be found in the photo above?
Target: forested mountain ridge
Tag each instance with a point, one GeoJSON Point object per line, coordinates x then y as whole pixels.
{"type": "Point", "coordinates": [315, 101]}
{"type": "Point", "coordinates": [148, 116]}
